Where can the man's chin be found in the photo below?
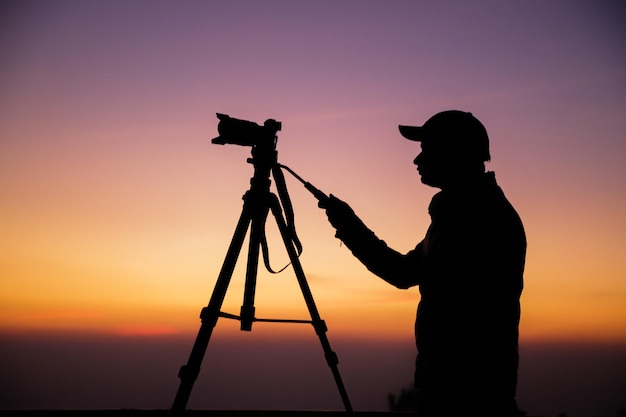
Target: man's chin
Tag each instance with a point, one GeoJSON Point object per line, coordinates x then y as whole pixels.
{"type": "Point", "coordinates": [429, 182]}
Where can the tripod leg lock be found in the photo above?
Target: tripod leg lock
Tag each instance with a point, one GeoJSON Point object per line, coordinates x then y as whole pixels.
{"type": "Point", "coordinates": [332, 359]}
{"type": "Point", "coordinates": [188, 373]}
{"type": "Point", "coordinates": [208, 316]}
{"type": "Point", "coordinates": [247, 317]}
{"type": "Point", "coordinates": [320, 327]}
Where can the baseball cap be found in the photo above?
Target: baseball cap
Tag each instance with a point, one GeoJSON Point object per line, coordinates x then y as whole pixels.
{"type": "Point", "coordinates": [453, 128]}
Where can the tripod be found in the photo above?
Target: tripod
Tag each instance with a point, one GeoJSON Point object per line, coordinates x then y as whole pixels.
{"type": "Point", "coordinates": [258, 201]}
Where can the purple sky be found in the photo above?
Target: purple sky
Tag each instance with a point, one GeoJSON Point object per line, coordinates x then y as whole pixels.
{"type": "Point", "coordinates": [116, 210]}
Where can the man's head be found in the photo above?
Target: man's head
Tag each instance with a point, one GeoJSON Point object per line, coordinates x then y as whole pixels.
{"type": "Point", "coordinates": [454, 145]}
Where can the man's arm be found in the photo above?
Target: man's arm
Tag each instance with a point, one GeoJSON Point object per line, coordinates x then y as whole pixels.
{"type": "Point", "coordinates": [399, 270]}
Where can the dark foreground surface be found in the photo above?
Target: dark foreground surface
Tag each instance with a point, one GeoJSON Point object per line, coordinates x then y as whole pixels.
{"type": "Point", "coordinates": [194, 413]}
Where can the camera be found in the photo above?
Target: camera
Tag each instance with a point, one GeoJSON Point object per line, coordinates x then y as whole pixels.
{"type": "Point", "coordinates": [245, 133]}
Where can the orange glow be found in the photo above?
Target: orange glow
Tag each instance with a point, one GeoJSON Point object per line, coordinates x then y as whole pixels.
{"type": "Point", "coordinates": [125, 280]}
{"type": "Point", "coordinates": [145, 331]}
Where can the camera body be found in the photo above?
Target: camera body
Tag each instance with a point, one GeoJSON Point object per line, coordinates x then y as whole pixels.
{"type": "Point", "coordinates": [245, 133]}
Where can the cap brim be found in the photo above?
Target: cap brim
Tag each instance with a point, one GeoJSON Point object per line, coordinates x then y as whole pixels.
{"type": "Point", "coordinates": [415, 133]}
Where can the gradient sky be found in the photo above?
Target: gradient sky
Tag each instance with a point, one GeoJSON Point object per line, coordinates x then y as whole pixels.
{"type": "Point", "coordinates": [116, 210]}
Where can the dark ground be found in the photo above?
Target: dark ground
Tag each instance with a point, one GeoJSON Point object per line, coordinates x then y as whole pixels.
{"type": "Point", "coordinates": [191, 413]}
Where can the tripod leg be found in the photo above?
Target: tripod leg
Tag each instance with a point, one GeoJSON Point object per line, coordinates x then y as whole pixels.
{"type": "Point", "coordinates": [209, 315]}
{"type": "Point", "coordinates": [318, 323]}
{"type": "Point", "coordinates": [257, 226]}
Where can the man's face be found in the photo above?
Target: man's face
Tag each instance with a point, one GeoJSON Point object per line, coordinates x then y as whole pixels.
{"type": "Point", "coordinates": [433, 164]}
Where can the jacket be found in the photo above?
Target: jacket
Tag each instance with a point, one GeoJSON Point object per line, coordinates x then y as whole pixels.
{"type": "Point", "coordinates": [469, 268]}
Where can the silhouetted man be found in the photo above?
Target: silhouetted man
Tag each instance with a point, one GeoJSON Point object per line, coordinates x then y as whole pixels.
{"type": "Point", "coordinates": [469, 269]}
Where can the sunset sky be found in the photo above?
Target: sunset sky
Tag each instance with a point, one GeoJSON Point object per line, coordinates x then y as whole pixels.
{"type": "Point", "coordinates": [116, 210]}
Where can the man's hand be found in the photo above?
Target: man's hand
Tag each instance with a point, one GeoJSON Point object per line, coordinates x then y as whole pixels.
{"type": "Point", "coordinates": [352, 231]}
{"type": "Point", "coordinates": [339, 213]}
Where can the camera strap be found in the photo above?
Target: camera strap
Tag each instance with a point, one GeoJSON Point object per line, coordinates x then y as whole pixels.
{"type": "Point", "coordinates": [287, 208]}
